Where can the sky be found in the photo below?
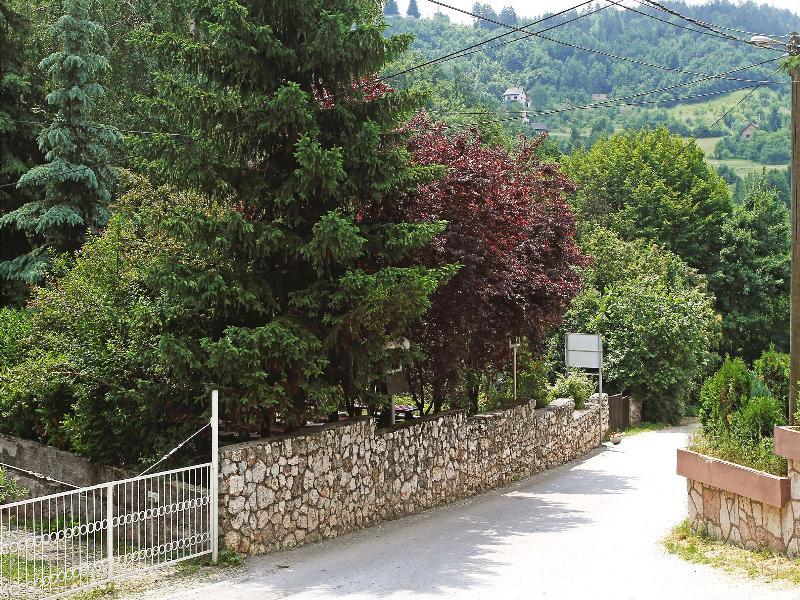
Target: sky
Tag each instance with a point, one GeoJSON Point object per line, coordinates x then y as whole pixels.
{"type": "Point", "coordinates": [532, 8]}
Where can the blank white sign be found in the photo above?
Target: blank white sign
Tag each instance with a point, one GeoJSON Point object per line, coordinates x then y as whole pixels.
{"type": "Point", "coordinates": [584, 351]}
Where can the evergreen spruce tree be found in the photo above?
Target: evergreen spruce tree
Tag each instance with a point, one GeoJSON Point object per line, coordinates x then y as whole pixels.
{"type": "Point", "coordinates": [413, 9]}
{"type": "Point", "coordinates": [72, 189]}
{"type": "Point", "coordinates": [295, 291]}
{"type": "Point", "coordinates": [18, 151]}
{"type": "Point", "coordinates": [390, 9]}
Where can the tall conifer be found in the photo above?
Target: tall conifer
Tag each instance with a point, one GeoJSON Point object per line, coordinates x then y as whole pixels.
{"type": "Point", "coordinates": [281, 124]}
{"type": "Point", "coordinates": [72, 189]}
{"type": "Point", "coordinates": [18, 151]}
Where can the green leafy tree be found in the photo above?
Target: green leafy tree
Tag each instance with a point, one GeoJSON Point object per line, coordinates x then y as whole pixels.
{"type": "Point", "coordinates": [413, 10]}
{"type": "Point", "coordinates": [656, 186]}
{"type": "Point", "coordinates": [656, 318]}
{"type": "Point", "coordinates": [752, 280]}
{"type": "Point", "coordinates": [72, 190]}
{"type": "Point", "coordinates": [18, 150]}
{"type": "Point", "coordinates": [304, 290]}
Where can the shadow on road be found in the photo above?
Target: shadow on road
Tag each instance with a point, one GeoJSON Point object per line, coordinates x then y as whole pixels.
{"type": "Point", "coordinates": [445, 549]}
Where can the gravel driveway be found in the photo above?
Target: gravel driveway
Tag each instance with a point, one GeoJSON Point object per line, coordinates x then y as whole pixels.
{"type": "Point", "coordinates": [590, 529]}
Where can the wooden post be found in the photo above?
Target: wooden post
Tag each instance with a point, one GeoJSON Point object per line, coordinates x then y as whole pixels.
{"type": "Point", "coordinates": [794, 310]}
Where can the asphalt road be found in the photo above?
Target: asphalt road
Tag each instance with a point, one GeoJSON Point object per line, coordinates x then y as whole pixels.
{"type": "Point", "coordinates": [590, 529]}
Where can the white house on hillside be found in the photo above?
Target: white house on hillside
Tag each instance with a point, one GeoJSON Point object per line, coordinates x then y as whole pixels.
{"type": "Point", "coordinates": [515, 94]}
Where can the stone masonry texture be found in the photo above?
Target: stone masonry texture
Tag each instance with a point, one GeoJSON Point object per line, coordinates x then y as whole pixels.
{"type": "Point", "coordinates": [278, 493]}
{"type": "Point", "coordinates": [745, 522]}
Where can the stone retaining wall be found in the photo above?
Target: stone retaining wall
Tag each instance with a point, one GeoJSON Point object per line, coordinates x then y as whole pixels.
{"type": "Point", "coordinates": [742, 521]}
{"type": "Point", "coordinates": [744, 507]}
{"type": "Point", "coordinates": [54, 463]}
{"type": "Point", "coordinates": [283, 492]}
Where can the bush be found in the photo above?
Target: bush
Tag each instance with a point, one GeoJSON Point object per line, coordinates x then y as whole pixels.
{"type": "Point", "coordinates": [531, 384]}
{"type": "Point", "coordinates": [772, 370]}
{"type": "Point", "coordinates": [576, 386]}
{"type": "Point", "coordinates": [14, 327]}
{"type": "Point", "coordinates": [757, 419]}
{"type": "Point", "coordinates": [9, 490]}
{"type": "Point", "coordinates": [723, 394]}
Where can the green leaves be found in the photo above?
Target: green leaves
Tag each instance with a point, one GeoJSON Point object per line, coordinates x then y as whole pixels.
{"type": "Point", "coordinates": [334, 239]}
{"type": "Point", "coordinates": [655, 186]}
{"type": "Point", "coordinates": [656, 317]}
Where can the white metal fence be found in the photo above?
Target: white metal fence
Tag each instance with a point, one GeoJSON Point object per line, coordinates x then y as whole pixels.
{"type": "Point", "coordinates": [54, 545]}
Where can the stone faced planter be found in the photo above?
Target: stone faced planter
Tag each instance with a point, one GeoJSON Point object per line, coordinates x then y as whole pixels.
{"type": "Point", "coordinates": [743, 506]}
{"type": "Point", "coordinates": [787, 443]}
{"type": "Point", "coordinates": [730, 477]}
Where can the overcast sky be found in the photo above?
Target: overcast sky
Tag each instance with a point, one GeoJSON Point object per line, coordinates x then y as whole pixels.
{"type": "Point", "coordinates": [532, 8]}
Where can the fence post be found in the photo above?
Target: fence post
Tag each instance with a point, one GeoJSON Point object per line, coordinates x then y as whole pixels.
{"type": "Point", "coordinates": [214, 475]}
{"type": "Point", "coordinates": [110, 528]}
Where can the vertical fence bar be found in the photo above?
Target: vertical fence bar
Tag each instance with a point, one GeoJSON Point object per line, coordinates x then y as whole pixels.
{"type": "Point", "coordinates": [110, 529]}
{"type": "Point", "coordinates": [214, 476]}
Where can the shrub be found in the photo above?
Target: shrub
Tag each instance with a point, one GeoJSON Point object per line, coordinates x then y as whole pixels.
{"type": "Point", "coordinates": [531, 384]}
{"type": "Point", "coordinates": [576, 386]}
{"type": "Point", "coordinates": [14, 327]}
{"type": "Point", "coordinates": [9, 489]}
{"type": "Point", "coordinates": [772, 370]}
{"type": "Point", "coordinates": [757, 418]}
{"type": "Point", "coordinates": [724, 393]}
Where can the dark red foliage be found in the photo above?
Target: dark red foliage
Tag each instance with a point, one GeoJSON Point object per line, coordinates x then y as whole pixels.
{"type": "Point", "coordinates": [513, 232]}
{"type": "Point", "coordinates": [365, 90]}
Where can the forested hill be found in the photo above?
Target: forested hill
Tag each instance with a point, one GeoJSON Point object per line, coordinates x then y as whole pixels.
{"type": "Point", "coordinates": [553, 73]}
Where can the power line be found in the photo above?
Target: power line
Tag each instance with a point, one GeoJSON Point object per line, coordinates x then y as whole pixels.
{"type": "Point", "coordinates": [618, 101]}
{"type": "Point", "coordinates": [456, 53]}
{"type": "Point", "coordinates": [584, 48]}
{"type": "Point", "coordinates": [711, 33]}
{"type": "Point", "coordinates": [459, 54]}
{"type": "Point", "coordinates": [732, 108]}
{"type": "Point", "coordinates": [708, 26]}
{"type": "Point", "coordinates": [595, 106]}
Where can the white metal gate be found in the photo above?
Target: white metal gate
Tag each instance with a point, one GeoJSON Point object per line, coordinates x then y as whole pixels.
{"type": "Point", "coordinates": [54, 545]}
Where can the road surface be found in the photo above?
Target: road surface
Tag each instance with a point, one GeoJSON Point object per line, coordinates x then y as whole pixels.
{"type": "Point", "coordinates": [588, 530]}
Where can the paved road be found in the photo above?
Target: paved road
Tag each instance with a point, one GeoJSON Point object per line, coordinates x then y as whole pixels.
{"type": "Point", "coordinates": [590, 529]}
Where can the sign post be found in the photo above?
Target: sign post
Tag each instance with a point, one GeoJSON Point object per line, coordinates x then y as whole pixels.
{"type": "Point", "coordinates": [514, 344]}
{"type": "Point", "coordinates": [585, 351]}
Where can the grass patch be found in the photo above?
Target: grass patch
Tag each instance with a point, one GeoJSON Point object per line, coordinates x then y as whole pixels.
{"type": "Point", "coordinates": [644, 427]}
{"type": "Point", "coordinates": [17, 568]}
{"type": "Point", "coordinates": [759, 456]}
{"type": "Point", "coordinates": [227, 558]}
{"type": "Point", "coordinates": [757, 564]}
{"type": "Point", "coordinates": [106, 591]}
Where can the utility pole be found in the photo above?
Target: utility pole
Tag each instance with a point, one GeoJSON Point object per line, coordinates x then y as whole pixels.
{"type": "Point", "coordinates": [794, 310]}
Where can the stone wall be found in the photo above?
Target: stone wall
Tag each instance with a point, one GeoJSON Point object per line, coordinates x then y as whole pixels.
{"type": "Point", "coordinates": [743, 521]}
{"type": "Point", "coordinates": [283, 492]}
{"type": "Point", "coordinates": [53, 463]}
